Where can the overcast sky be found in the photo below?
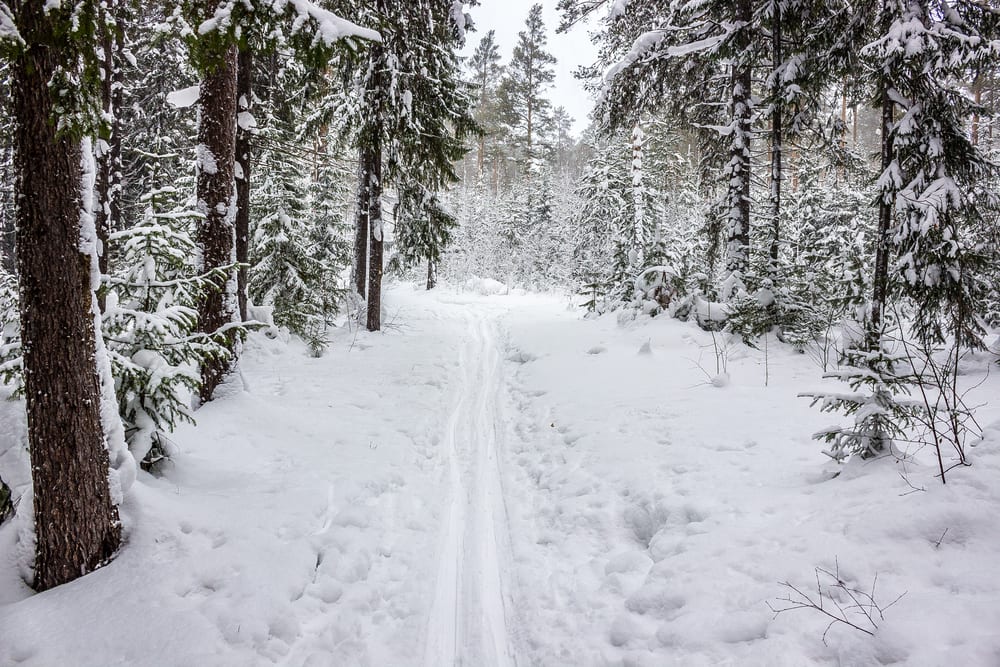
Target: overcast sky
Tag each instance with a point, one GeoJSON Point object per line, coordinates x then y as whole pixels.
{"type": "Point", "coordinates": [507, 17]}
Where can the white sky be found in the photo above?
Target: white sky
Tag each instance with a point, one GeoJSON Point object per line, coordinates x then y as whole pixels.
{"type": "Point", "coordinates": [507, 17]}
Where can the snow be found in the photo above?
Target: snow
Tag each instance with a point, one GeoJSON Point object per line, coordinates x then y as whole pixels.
{"type": "Point", "coordinates": [205, 160]}
{"type": "Point", "coordinates": [8, 29]}
{"type": "Point", "coordinates": [245, 120]}
{"type": "Point", "coordinates": [495, 480]}
{"type": "Point", "coordinates": [122, 472]}
{"type": "Point", "coordinates": [184, 98]}
{"type": "Point", "coordinates": [328, 27]}
{"type": "Point", "coordinates": [460, 19]}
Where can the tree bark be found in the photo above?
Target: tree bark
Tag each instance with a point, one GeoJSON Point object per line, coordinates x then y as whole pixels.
{"type": "Point", "coordinates": [244, 100]}
{"type": "Point", "coordinates": [431, 273]}
{"type": "Point", "coordinates": [360, 268]}
{"type": "Point", "coordinates": [371, 180]}
{"type": "Point", "coordinates": [216, 237]}
{"type": "Point", "coordinates": [880, 279]}
{"type": "Point", "coordinates": [638, 201]}
{"type": "Point", "coordinates": [738, 199]}
{"type": "Point", "coordinates": [777, 138]}
{"type": "Point", "coordinates": [977, 93]}
{"type": "Point", "coordinates": [374, 187]}
{"type": "Point", "coordinates": [108, 184]}
{"type": "Point", "coordinates": [76, 523]}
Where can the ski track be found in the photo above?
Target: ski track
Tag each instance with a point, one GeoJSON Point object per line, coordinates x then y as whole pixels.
{"type": "Point", "coordinates": [469, 617]}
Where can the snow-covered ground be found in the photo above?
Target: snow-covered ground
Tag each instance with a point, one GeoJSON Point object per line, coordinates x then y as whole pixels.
{"type": "Point", "coordinates": [494, 481]}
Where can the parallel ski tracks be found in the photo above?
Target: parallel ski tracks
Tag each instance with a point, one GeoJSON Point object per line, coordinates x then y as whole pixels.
{"type": "Point", "coordinates": [468, 624]}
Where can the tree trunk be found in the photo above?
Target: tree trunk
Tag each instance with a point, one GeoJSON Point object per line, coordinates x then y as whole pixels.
{"type": "Point", "coordinates": [360, 268]}
{"type": "Point", "coordinates": [76, 523]}
{"type": "Point", "coordinates": [216, 237]}
{"type": "Point", "coordinates": [777, 138]}
{"type": "Point", "coordinates": [638, 262]}
{"type": "Point", "coordinates": [880, 279]}
{"type": "Point", "coordinates": [374, 187]}
{"type": "Point", "coordinates": [431, 273]}
{"type": "Point", "coordinates": [108, 185]}
{"type": "Point", "coordinates": [371, 175]}
{"type": "Point", "coordinates": [244, 100]}
{"type": "Point", "coordinates": [738, 199]}
{"type": "Point", "coordinates": [481, 157]}
{"type": "Point", "coordinates": [977, 92]}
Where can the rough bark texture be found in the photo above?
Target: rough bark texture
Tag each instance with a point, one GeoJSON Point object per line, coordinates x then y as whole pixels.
{"type": "Point", "coordinates": [244, 95]}
{"type": "Point", "coordinates": [880, 279]}
{"type": "Point", "coordinates": [76, 523]}
{"type": "Point", "coordinates": [373, 167]}
{"type": "Point", "coordinates": [108, 178]}
{"type": "Point", "coordinates": [738, 199]}
{"type": "Point", "coordinates": [216, 235]}
{"type": "Point", "coordinates": [638, 201]}
{"type": "Point", "coordinates": [431, 273]}
{"type": "Point", "coordinates": [376, 90]}
{"type": "Point", "coordinates": [360, 267]}
{"type": "Point", "coordinates": [776, 139]}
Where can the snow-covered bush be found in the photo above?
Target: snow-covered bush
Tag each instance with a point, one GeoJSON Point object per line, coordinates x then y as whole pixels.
{"type": "Point", "coordinates": [878, 401]}
{"type": "Point", "coordinates": [150, 327]}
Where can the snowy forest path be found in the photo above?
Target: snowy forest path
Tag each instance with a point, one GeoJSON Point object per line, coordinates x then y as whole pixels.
{"type": "Point", "coordinates": [468, 623]}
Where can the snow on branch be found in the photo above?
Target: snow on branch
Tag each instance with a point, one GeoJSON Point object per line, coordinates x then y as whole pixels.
{"type": "Point", "coordinates": [646, 46]}
{"type": "Point", "coordinates": [329, 27]}
{"type": "Point", "coordinates": [8, 29]}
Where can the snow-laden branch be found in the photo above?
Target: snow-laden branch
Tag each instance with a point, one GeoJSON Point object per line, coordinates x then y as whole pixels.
{"type": "Point", "coordinates": [646, 47]}
{"type": "Point", "coordinates": [8, 29]}
{"type": "Point", "coordinates": [328, 26]}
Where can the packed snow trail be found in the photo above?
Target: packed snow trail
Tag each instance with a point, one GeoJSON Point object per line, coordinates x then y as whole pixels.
{"type": "Point", "coordinates": [468, 620]}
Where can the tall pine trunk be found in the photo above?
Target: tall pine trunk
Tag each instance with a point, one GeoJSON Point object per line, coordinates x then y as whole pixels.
{"type": "Point", "coordinates": [638, 261]}
{"type": "Point", "coordinates": [216, 237]}
{"type": "Point", "coordinates": [431, 273]}
{"type": "Point", "coordinates": [880, 279]}
{"type": "Point", "coordinates": [244, 99]}
{"type": "Point", "coordinates": [373, 164]}
{"type": "Point", "coordinates": [777, 101]}
{"type": "Point", "coordinates": [738, 197]}
{"type": "Point", "coordinates": [76, 523]}
{"type": "Point", "coordinates": [360, 267]}
{"type": "Point", "coordinates": [371, 179]}
{"type": "Point", "coordinates": [109, 149]}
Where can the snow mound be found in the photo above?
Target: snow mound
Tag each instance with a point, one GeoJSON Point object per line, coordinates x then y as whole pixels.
{"type": "Point", "coordinates": [485, 286]}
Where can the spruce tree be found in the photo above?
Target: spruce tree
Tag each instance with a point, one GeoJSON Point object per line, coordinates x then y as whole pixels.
{"type": "Point", "coordinates": [150, 324]}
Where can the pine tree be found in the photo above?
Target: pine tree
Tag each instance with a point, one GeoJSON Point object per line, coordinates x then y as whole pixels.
{"type": "Point", "coordinates": [437, 120]}
{"type": "Point", "coordinates": [415, 116]}
{"type": "Point", "coordinates": [295, 257]}
{"type": "Point", "coordinates": [216, 151]}
{"type": "Point", "coordinates": [522, 91]}
{"type": "Point", "coordinates": [214, 43]}
{"type": "Point", "coordinates": [7, 171]}
{"type": "Point", "coordinates": [484, 65]}
{"type": "Point", "coordinates": [108, 148]}
{"type": "Point", "coordinates": [75, 500]}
